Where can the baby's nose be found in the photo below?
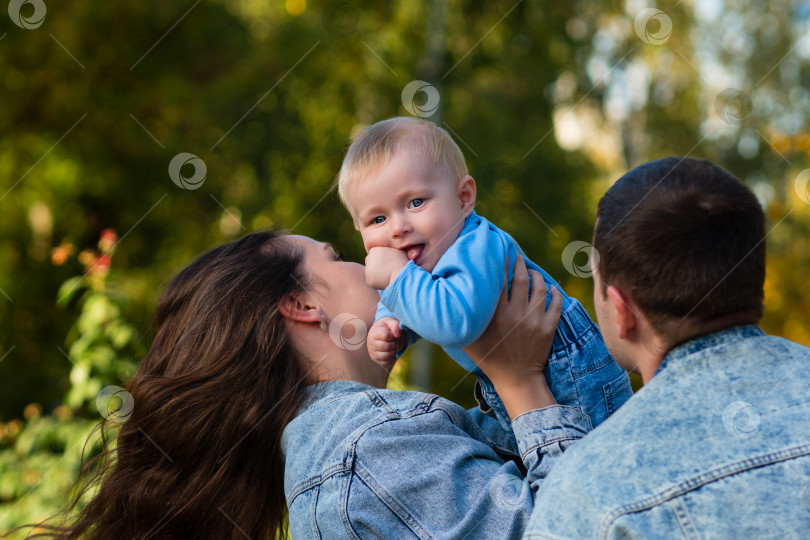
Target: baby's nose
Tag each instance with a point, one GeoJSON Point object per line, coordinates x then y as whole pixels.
{"type": "Point", "coordinates": [400, 226]}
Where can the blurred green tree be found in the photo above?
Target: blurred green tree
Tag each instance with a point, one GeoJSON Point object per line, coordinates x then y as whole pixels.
{"type": "Point", "coordinates": [99, 99]}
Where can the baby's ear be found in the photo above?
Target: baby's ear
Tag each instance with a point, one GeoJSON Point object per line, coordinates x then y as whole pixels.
{"type": "Point", "coordinates": [466, 194]}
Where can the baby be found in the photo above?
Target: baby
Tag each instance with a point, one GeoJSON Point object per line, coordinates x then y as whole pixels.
{"type": "Point", "coordinates": [440, 266]}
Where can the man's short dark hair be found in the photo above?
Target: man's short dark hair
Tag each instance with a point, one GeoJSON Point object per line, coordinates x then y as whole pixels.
{"type": "Point", "coordinates": [685, 240]}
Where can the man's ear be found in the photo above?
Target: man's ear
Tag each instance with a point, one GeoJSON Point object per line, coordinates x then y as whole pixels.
{"type": "Point", "coordinates": [466, 194]}
{"type": "Point", "coordinates": [296, 308]}
{"type": "Point", "coordinates": [626, 318]}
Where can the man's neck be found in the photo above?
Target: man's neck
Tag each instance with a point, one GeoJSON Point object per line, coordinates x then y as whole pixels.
{"type": "Point", "coordinates": [696, 330]}
{"type": "Point", "coordinates": [691, 331]}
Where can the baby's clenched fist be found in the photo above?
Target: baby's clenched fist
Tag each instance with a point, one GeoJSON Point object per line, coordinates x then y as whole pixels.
{"type": "Point", "coordinates": [384, 339]}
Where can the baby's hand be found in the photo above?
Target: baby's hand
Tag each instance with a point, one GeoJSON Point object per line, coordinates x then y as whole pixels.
{"type": "Point", "coordinates": [383, 264]}
{"type": "Point", "coordinates": [384, 340]}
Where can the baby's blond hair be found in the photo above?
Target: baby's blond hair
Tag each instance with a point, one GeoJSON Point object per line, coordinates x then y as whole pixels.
{"type": "Point", "coordinates": [378, 143]}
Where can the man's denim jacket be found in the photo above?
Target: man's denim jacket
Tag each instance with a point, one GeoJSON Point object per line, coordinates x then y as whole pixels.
{"type": "Point", "coordinates": [363, 462]}
{"type": "Point", "coordinates": [716, 445]}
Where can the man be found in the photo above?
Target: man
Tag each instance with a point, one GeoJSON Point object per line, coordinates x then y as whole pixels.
{"type": "Point", "coordinates": [717, 442]}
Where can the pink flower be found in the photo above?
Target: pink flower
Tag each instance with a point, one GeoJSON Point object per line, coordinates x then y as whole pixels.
{"type": "Point", "coordinates": [107, 240]}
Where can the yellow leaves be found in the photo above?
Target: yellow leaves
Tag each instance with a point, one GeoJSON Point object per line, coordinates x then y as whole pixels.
{"type": "Point", "coordinates": [13, 428]}
{"type": "Point", "coordinates": [780, 142]}
{"type": "Point", "coordinates": [795, 330]}
{"type": "Point", "coordinates": [773, 295]}
{"type": "Point", "coordinates": [62, 413]}
{"type": "Point", "coordinates": [32, 410]}
{"type": "Point", "coordinates": [295, 7]}
{"type": "Point", "coordinates": [787, 289]}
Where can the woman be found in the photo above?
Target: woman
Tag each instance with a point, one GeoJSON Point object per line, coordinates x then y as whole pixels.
{"type": "Point", "coordinates": [229, 427]}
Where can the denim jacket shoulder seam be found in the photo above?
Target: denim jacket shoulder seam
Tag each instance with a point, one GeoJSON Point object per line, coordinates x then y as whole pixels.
{"type": "Point", "coordinates": [699, 481]}
{"type": "Point", "coordinates": [379, 402]}
{"type": "Point", "coordinates": [437, 405]}
{"type": "Point", "coordinates": [318, 479]}
{"type": "Point", "coordinates": [388, 413]}
{"type": "Point", "coordinates": [425, 406]}
{"type": "Point", "coordinates": [394, 412]}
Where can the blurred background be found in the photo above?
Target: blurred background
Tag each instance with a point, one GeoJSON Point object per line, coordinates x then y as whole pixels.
{"type": "Point", "coordinates": [134, 135]}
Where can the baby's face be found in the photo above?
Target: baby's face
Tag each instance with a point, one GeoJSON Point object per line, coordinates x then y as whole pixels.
{"type": "Point", "coordinates": [412, 206]}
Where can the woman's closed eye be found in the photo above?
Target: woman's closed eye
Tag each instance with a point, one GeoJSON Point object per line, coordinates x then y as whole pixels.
{"type": "Point", "coordinates": [416, 203]}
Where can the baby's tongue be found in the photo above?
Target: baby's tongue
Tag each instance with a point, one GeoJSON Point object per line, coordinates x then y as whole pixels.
{"type": "Point", "coordinates": [413, 252]}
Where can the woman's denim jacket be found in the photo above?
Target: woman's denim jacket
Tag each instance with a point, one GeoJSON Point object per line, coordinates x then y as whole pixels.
{"type": "Point", "coordinates": [716, 445]}
{"type": "Point", "coordinates": [364, 462]}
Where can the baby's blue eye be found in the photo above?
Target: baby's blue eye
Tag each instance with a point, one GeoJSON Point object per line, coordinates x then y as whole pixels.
{"type": "Point", "coordinates": [416, 203]}
{"type": "Point", "coordinates": [377, 220]}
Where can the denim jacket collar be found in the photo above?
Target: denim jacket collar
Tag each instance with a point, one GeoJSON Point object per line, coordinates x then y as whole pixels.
{"type": "Point", "coordinates": [327, 391]}
{"type": "Point", "coordinates": [715, 339]}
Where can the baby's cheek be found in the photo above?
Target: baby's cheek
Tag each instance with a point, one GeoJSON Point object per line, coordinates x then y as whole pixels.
{"type": "Point", "coordinates": [371, 240]}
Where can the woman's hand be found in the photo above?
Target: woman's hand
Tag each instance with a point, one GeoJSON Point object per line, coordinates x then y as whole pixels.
{"type": "Point", "coordinates": [514, 349]}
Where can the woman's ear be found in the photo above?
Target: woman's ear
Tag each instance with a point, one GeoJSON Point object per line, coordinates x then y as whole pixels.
{"type": "Point", "coordinates": [466, 194]}
{"type": "Point", "coordinates": [296, 308]}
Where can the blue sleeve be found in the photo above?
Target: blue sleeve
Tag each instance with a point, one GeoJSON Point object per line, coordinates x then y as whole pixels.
{"type": "Point", "coordinates": [447, 483]}
{"type": "Point", "coordinates": [453, 306]}
{"type": "Point", "coordinates": [544, 434]}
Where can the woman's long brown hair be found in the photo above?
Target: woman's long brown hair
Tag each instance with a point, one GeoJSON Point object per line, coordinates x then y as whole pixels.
{"type": "Point", "coordinates": [200, 456]}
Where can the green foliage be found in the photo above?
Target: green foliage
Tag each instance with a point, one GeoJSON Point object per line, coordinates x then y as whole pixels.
{"type": "Point", "coordinates": [268, 98]}
{"type": "Point", "coordinates": [100, 338]}
{"type": "Point", "coordinates": [40, 458]}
